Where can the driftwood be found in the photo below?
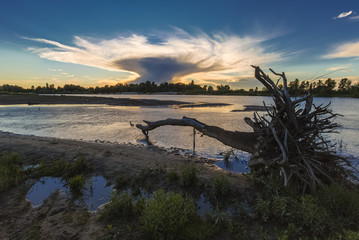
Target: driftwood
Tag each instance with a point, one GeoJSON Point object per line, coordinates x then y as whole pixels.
{"type": "Point", "coordinates": [246, 141]}
{"type": "Point", "coordinates": [288, 141]}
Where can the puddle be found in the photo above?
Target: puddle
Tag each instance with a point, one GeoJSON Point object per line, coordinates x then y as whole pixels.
{"type": "Point", "coordinates": [203, 206]}
{"type": "Point", "coordinates": [237, 163]}
{"type": "Point", "coordinates": [95, 194]}
{"type": "Point", "coordinates": [41, 190]}
{"type": "Point", "coordinates": [27, 167]}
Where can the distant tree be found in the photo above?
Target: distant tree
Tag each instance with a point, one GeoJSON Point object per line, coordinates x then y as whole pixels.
{"type": "Point", "coordinates": [344, 85]}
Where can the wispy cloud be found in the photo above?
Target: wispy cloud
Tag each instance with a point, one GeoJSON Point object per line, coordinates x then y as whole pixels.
{"type": "Point", "coordinates": [345, 50]}
{"type": "Point", "coordinates": [343, 15]}
{"type": "Point", "coordinates": [344, 68]}
{"type": "Point", "coordinates": [176, 55]}
{"type": "Point", "coordinates": [354, 17]}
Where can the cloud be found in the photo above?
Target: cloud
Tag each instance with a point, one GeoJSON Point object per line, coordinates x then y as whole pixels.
{"type": "Point", "coordinates": [173, 56]}
{"type": "Point", "coordinates": [343, 15]}
{"type": "Point", "coordinates": [344, 68]}
{"type": "Point", "coordinates": [354, 18]}
{"type": "Point", "coordinates": [345, 50]}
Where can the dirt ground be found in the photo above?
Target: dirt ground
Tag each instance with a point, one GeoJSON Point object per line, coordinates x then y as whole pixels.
{"type": "Point", "coordinates": [56, 218]}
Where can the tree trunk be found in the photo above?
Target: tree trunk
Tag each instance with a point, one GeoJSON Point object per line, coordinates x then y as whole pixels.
{"type": "Point", "coordinates": [245, 141]}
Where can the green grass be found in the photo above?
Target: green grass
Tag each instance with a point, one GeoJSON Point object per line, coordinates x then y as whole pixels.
{"type": "Point", "coordinates": [62, 168]}
{"type": "Point", "coordinates": [220, 186]}
{"type": "Point", "coordinates": [121, 206]}
{"type": "Point", "coordinates": [11, 170]}
{"type": "Point", "coordinates": [77, 184]}
{"type": "Point", "coordinates": [167, 214]}
{"type": "Point", "coordinates": [188, 176]}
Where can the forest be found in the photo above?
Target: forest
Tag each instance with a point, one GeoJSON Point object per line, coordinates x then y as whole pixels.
{"type": "Point", "coordinates": [319, 88]}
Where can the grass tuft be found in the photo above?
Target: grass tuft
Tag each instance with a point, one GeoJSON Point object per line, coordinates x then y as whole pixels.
{"type": "Point", "coordinates": [11, 170]}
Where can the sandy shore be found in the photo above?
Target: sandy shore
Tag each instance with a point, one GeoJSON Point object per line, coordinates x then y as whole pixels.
{"type": "Point", "coordinates": [109, 159]}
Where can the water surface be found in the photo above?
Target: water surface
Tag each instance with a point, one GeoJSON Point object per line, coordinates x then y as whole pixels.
{"type": "Point", "coordinates": [112, 123]}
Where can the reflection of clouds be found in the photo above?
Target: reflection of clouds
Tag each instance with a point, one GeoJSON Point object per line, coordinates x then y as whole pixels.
{"type": "Point", "coordinates": [175, 56]}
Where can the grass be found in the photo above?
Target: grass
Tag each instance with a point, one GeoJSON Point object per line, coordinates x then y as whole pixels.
{"type": "Point", "coordinates": [330, 211]}
{"type": "Point", "coordinates": [121, 205]}
{"type": "Point", "coordinates": [188, 175]}
{"type": "Point", "coordinates": [167, 214]}
{"type": "Point", "coordinates": [11, 170]}
{"type": "Point", "coordinates": [220, 186]}
{"type": "Point", "coordinates": [77, 184]}
{"type": "Point", "coordinates": [269, 211]}
{"type": "Point", "coordinates": [62, 168]}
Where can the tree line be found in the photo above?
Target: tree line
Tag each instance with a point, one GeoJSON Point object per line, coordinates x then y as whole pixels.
{"type": "Point", "coordinates": [320, 88]}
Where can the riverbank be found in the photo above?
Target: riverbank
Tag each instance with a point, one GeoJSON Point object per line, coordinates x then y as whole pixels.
{"type": "Point", "coordinates": [57, 217]}
{"type": "Point", "coordinates": [31, 99]}
{"type": "Point", "coordinates": [153, 187]}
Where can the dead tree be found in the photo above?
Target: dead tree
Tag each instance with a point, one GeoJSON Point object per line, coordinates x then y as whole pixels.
{"type": "Point", "coordinates": [288, 141]}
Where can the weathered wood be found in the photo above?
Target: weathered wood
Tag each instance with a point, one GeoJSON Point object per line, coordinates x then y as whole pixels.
{"type": "Point", "coordinates": [245, 141]}
{"type": "Point", "coordinates": [288, 141]}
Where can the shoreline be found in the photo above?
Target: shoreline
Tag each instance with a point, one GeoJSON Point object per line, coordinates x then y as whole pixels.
{"type": "Point", "coordinates": [109, 159]}
{"type": "Point", "coordinates": [68, 100]}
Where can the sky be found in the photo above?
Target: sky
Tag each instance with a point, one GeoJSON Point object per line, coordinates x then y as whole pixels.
{"type": "Point", "coordinates": [97, 43]}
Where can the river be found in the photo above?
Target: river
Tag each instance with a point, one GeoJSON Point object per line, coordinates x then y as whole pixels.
{"type": "Point", "coordinates": [112, 123]}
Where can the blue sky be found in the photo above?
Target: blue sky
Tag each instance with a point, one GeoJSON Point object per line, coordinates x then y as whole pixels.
{"type": "Point", "coordinates": [211, 42]}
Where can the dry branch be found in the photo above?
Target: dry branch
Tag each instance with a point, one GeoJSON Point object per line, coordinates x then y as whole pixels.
{"type": "Point", "coordinates": [289, 141]}
{"type": "Point", "coordinates": [246, 141]}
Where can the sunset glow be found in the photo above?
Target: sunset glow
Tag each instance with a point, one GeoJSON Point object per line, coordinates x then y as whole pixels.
{"type": "Point", "coordinates": [209, 43]}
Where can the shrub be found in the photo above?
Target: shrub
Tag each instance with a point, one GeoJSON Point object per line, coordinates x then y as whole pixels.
{"type": "Point", "coordinates": [220, 186]}
{"type": "Point", "coordinates": [166, 215]}
{"type": "Point", "coordinates": [11, 170]}
{"type": "Point", "coordinates": [121, 205]}
{"type": "Point", "coordinates": [172, 176]}
{"type": "Point", "coordinates": [188, 175]}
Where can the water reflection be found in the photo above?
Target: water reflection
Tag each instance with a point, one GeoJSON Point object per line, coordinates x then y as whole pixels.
{"type": "Point", "coordinates": [112, 123]}
{"type": "Point", "coordinates": [41, 190]}
{"type": "Point", "coordinates": [95, 194]}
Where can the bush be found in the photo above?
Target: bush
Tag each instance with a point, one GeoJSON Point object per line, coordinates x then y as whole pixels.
{"type": "Point", "coordinates": [172, 176]}
{"type": "Point", "coordinates": [166, 215]}
{"type": "Point", "coordinates": [11, 170]}
{"type": "Point", "coordinates": [122, 205]}
{"type": "Point", "coordinates": [188, 175]}
{"type": "Point", "coordinates": [220, 186]}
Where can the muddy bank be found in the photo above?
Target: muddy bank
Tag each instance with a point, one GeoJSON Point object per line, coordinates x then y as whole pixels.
{"type": "Point", "coordinates": [47, 99]}
{"type": "Point", "coordinates": [50, 100]}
